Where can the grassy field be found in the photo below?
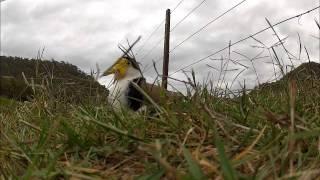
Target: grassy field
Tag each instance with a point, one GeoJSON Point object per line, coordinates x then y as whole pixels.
{"type": "Point", "coordinates": [271, 132]}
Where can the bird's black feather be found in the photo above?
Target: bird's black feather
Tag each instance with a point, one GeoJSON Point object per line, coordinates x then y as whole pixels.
{"type": "Point", "coordinates": [134, 96]}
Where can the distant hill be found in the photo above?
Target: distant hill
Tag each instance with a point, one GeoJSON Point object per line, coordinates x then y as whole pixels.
{"type": "Point", "coordinates": [61, 79]}
{"type": "Point", "coordinates": [306, 76]}
{"type": "Point", "coordinates": [306, 71]}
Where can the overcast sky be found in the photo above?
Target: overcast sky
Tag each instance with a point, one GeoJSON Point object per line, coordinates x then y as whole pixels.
{"type": "Point", "coordinates": [87, 32]}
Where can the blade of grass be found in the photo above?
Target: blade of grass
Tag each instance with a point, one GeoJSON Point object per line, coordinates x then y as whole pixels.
{"type": "Point", "coordinates": [193, 166]}
{"type": "Point", "coordinates": [228, 171]}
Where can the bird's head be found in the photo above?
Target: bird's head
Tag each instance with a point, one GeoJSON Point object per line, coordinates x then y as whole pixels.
{"type": "Point", "coordinates": [126, 65]}
{"type": "Point", "coordinates": [121, 67]}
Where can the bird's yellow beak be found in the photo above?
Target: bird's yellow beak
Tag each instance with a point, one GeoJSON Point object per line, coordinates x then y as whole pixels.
{"type": "Point", "coordinates": [119, 68]}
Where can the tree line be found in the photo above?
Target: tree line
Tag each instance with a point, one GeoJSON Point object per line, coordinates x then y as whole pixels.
{"type": "Point", "coordinates": [22, 78]}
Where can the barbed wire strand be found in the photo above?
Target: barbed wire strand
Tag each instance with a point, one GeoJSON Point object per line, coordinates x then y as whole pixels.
{"type": "Point", "coordinates": [206, 25]}
{"type": "Point", "coordinates": [187, 15]}
{"type": "Point", "coordinates": [152, 48]}
{"type": "Point", "coordinates": [246, 38]}
{"type": "Point", "coordinates": [150, 36]}
{"type": "Point", "coordinates": [196, 32]}
{"type": "Point", "coordinates": [174, 27]}
{"type": "Point", "coordinates": [157, 28]}
{"type": "Point", "coordinates": [176, 7]}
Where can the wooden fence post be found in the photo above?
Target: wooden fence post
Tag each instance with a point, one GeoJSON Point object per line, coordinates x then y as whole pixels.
{"type": "Point", "coordinates": [165, 68]}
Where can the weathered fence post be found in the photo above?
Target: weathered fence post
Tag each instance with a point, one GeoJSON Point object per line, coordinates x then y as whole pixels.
{"type": "Point", "coordinates": [165, 68]}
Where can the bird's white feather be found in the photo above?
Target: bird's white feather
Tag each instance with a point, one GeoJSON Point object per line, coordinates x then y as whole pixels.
{"type": "Point", "coordinates": [117, 97]}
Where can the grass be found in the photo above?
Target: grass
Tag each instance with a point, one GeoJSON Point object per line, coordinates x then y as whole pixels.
{"type": "Point", "coordinates": [272, 132]}
{"type": "Point", "coordinates": [203, 136]}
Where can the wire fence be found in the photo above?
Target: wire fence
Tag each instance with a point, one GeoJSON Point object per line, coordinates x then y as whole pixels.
{"type": "Point", "coordinates": [157, 28]}
{"type": "Point", "coordinates": [194, 33]}
{"type": "Point", "coordinates": [245, 38]}
{"type": "Point", "coordinates": [231, 44]}
{"type": "Point", "coordinates": [206, 25]}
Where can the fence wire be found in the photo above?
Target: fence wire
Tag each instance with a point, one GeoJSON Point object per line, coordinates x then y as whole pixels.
{"type": "Point", "coordinates": [246, 38]}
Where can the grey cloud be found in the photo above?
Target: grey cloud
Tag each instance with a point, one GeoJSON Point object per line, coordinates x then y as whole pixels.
{"type": "Point", "coordinates": [87, 32]}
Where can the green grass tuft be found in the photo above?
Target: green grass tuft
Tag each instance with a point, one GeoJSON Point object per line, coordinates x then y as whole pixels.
{"type": "Point", "coordinates": [203, 136]}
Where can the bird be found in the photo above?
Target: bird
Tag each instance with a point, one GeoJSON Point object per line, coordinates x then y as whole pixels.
{"type": "Point", "coordinates": [130, 89]}
{"type": "Point", "coordinates": [124, 93]}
